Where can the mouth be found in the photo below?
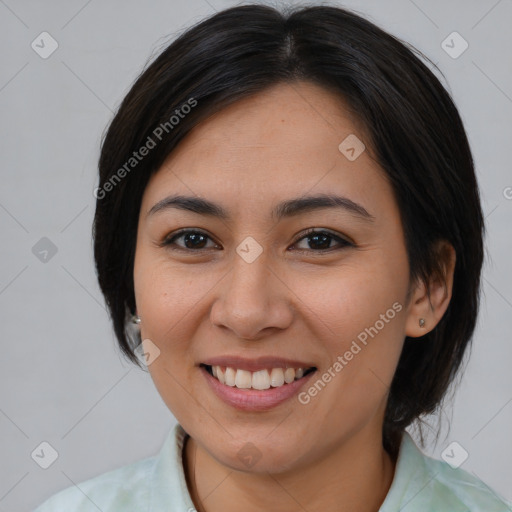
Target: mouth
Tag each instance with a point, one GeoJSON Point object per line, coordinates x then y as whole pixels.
{"type": "Point", "coordinates": [260, 380]}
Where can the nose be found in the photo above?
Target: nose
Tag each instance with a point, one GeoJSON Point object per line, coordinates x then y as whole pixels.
{"type": "Point", "coordinates": [252, 300]}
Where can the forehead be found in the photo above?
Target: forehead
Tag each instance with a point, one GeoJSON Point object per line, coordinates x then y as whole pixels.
{"type": "Point", "coordinates": [288, 120]}
{"type": "Point", "coordinates": [283, 141]}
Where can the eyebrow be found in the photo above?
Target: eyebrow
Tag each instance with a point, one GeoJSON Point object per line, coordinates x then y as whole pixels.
{"type": "Point", "coordinates": [288, 208]}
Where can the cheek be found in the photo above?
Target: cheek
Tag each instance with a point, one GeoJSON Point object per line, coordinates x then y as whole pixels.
{"type": "Point", "coordinates": [166, 294]}
{"type": "Point", "coordinates": [167, 299]}
{"type": "Point", "coordinates": [357, 316]}
{"type": "Point", "coordinates": [342, 302]}
{"type": "Point", "coordinates": [171, 300]}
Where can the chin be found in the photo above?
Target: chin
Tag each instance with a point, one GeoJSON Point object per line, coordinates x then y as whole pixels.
{"type": "Point", "coordinates": [259, 456]}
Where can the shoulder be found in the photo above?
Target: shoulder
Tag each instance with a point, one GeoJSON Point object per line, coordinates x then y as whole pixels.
{"type": "Point", "coordinates": [455, 487]}
{"type": "Point", "coordinates": [109, 492]}
{"type": "Point", "coordinates": [425, 483]}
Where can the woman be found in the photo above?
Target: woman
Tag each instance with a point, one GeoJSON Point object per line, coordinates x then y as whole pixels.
{"type": "Point", "coordinates": [288, 216]}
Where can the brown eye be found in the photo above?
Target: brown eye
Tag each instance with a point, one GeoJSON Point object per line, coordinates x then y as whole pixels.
{"type": "Point", "coordinates": [321, 241]}
{"type": "Point", "coordinates": [192, 240]}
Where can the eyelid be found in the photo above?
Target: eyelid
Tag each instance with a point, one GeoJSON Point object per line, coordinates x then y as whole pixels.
{"type": "Point", "coordinates": [314, 231]}
{"type": "Point", "coordinates": [167, 239]}
{"type": "Point", "coordinates": [343, 240]}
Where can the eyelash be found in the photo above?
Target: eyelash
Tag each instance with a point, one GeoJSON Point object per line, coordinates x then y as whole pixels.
{"type": "Point", "coordinates": [169, 242]}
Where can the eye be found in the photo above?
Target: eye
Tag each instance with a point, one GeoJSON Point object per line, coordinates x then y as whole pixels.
{"type": "Point", "coordinates": [192, 239]}
{"type": "Point", "coordinates": [321, 240]}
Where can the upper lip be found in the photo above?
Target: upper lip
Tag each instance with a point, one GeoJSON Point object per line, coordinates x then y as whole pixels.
{"type": "Point", "coordinates": [256, 364]}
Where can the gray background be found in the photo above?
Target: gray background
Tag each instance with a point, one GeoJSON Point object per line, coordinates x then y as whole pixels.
{"type": "Point", "coordinates": [63, 379]}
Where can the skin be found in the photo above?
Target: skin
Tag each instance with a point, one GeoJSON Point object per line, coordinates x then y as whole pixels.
{"type": "Point", "coordinates": [293, 301]}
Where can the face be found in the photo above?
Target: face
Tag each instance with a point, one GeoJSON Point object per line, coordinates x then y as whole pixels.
{"type": "Point", "coordinates": [255, 291]}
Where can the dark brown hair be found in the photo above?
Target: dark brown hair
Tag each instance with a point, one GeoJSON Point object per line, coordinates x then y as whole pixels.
{"type": "Point", "coordinates": [413, 130]}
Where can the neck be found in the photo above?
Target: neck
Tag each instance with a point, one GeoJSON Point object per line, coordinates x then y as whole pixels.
{"type": "Point", "coordinates": [354, 476]}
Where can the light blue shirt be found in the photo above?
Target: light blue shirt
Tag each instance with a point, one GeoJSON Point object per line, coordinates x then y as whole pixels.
{"type": "Point", "coordinates": [158, 484]}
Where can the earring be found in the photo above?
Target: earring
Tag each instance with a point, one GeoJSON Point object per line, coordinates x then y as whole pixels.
{"type": "Point", "coordinates": [422, 322]}
{"type": "Point", "coordinates": [136, 319]}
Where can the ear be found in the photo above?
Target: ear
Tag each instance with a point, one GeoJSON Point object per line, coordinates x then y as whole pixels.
{"type": "Point", "coordinates": [432, 308]}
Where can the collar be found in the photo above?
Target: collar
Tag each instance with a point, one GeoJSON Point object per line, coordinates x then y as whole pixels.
{"type": "Point", "coordinates": [419, 482]}
{"type": "Point", "coordinates": [168, 488]}
{"type": "Point", "coordinates": [412, 475]}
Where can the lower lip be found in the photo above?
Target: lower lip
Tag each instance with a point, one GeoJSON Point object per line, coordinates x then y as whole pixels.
{"type": "Point", "coordinates": [254, 399]}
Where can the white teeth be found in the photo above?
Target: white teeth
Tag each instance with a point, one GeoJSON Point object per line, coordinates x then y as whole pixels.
{"type": "Point", "coordinates": [243, 379]}
{"type": "Point", "coordinates": [289, 375]}
{"type": "Point", "coordinates": [262, 379]}
{"type": "Point", "coordinates": [230, 377]}
{"type": "Point", "coordinates": [276, 377]}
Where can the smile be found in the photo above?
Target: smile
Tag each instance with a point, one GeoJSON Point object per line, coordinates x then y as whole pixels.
{"type": "Point", "coordinates": [260, 380]}
{"type": "Point", "coordinates": [255, 391]}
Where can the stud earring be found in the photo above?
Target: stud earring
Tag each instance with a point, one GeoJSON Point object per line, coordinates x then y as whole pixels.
{"type": "Point", "coordinates": [422, 322]}
{"type": "Point", "coordinates": [136, 319]}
